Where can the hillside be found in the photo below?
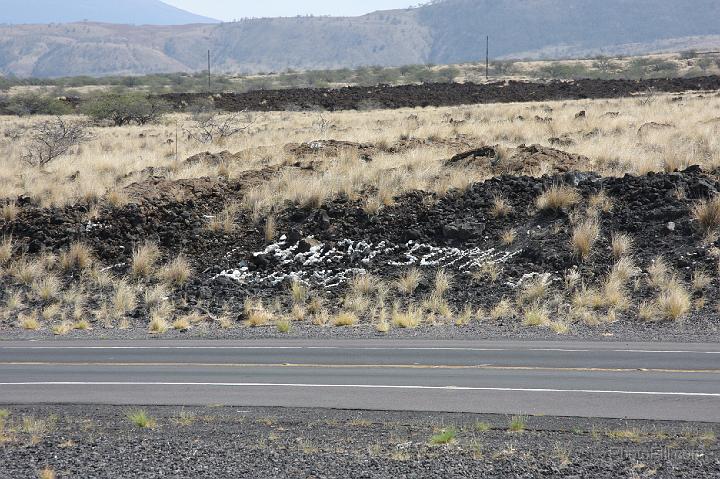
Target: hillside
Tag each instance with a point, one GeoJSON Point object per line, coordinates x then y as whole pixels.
{"type": "Point", "coordinates": [449, 31]}
{"type": "Point", "coordinates": [133, 12]}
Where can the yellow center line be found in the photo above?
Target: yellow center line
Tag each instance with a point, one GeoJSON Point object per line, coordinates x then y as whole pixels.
{"type": "Point", "coordinates": [361, 366]}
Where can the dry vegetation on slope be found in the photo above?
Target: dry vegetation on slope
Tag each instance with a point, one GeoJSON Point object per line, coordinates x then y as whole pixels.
{"type": "Point", "coordinates": [168, 237]}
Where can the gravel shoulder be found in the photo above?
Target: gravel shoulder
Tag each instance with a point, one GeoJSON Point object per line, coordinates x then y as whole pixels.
{"type": "Point", "coordinates": [101, 441]}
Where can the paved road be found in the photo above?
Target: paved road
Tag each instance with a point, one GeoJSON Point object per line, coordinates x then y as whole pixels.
{"type": "Point", "coordinates": [643, 380]}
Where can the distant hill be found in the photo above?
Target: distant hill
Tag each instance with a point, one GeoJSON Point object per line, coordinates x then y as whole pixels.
{"type": "Point", "coordinates": [133, 12]}
{"type": "Point", "coordinates": [448, 31]}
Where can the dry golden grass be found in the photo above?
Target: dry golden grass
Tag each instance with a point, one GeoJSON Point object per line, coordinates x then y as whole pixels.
{"type": "Point", "coordinates": [6, 250]}
{"type": "Point", "coordinates": [707, 214]}
{"type": "Point", "coordinates": [674, 302]}
{"type": "Point", "coordinates": [557, 197]}
{"type": "Point", "coordinates": [346, 318]}
{"type": "Point", "coordinates": [584, 237]}
{"type": "Point", "coordinates": [621, 244]}
{"type": "Point", "coordinates": [144, 261]}
{"type": "Point", "coordinates": [408, 319]}
{"type": "Point", "coordinates": [500, 207]}
{"type": "Point", "coordinates": [78, 256]}
{"type": "Point", "coordinates": [106, 163]}
{"type": "Point", "coordinates": [408, 282]}
{"type": "Point", "coordinates": [158, 325]}
{"type": "Point", "coordinates": [502, 310]}
{"type": "Point", "coordinates": [177, 272]}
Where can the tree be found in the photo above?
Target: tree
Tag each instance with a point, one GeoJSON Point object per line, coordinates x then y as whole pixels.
{"type": "Point", "coordinates": [52, 139]}
{"type": "Point", "coordinates": [126, 109]}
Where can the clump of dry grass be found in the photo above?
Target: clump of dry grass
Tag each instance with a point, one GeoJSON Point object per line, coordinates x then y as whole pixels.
{"type": "Point", "coordinates": [364, 284]}
{"type": "Point", "coordinates": [9, 212]}
{"type": "Point", "coordinates": [124, 299]}
{"type": "Point", "coordinates": [6, 250]}
{"type": "Point", "coordinates": [502, 310]}
{"type": "Point", "coordinates": [346, 318]}
{"type": "Point", "coordinates": [78, 256]}
{"type": "Point", "coordinates": [621, 244]}
{"type": "Point", "coordinates": [298, 292]}
{"type": "Point", "coordinates": [62, 329]}
{"type": "Point", "coordinates": [284, 326]}
{"type": "Point", "coordinates": [47, 473]}
{"type": "Point", "coordinates": [177, 272]}
{"type": "Point", "coordinates": [182, 324]}
{"type": "Point", "coordinates": [707, 214]}
{"type": "Point", "coordinates": [536, 315]}
{"type": "Point", "coordinates": [25, 271]}
{"type": "Point", "coordinates": [256, 314]}
{"type": "Point", "coordinates": [535, 289]}
{"type": "Point", "coordinates": [29, 322]}
{"type": "Point", "coordinates": [600, 202]}
{"type": "Point", "coordinates": [557, 197]}
{"type": "Point", "coordinates": [224, 222]}
{"type": "Point", "coordinates": [47, 288]}
{"type": "Point", "coordinates": [158, 324]}
{"type": "Point", "coordinates": [584, 237]}
{"type": "Point", "coordinates": [701, 280]}
{"type": "Point", "coordinates": [408, 282]}
{"type": "Point", "coordinates": [658, 273]}
{"type": "Point", "coordinates": [674, 301]}
{"type": "Point", "coordinates": [144, 261]}
{"type": "Point", "coordinates": [508, 237]}
{"type": "Point", "coordinates": [408, 319]}
{"type": "Point", "coordinates": [443, 282]}
{"type": "Point", "coordinates": [500, 207]}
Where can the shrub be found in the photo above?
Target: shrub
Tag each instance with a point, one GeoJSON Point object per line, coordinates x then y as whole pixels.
{"type": "Point", "coordinates": [49, 140]}
{"type": "Point", "coordinates": [33, 104]}
{"type": "Point", "coordinates": [126, 109]}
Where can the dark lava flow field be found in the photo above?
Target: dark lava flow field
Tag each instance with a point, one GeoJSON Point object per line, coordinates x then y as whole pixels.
{"type": "Point", "coordinates": [440, 94]}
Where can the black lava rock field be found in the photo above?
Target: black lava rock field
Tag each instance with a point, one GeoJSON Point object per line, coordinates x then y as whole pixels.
{"type": "Point", "coordinates": [439, 94]}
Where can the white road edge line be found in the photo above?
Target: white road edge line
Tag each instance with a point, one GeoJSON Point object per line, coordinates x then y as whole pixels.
{"type": "Point", "coordinates": [363, 386]}
{"type": "Point", "coordinates": [636, 351]}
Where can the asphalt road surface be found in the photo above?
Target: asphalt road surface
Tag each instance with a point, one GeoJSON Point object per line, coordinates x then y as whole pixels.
{"type": "Point", "coordinates": [618, 380]}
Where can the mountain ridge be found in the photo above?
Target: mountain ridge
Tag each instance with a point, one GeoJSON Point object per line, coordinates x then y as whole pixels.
{"type": "Point", "coordinates": [132, 12]}
{"type": "Point", "coordinates": [450, 31]}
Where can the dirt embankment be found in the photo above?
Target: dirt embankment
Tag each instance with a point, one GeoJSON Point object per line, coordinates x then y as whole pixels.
{"type": "Point", "coordinates": [439, 94]}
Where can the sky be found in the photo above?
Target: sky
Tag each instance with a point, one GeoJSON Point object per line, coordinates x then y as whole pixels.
{"type": "Point", "coordinates": [235, 9]}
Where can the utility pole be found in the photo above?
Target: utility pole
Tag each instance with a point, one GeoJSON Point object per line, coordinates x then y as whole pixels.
{"type": "Point", "coordinates": [487, 57]}
{"type": "Point", "coordinates": [209, 81]}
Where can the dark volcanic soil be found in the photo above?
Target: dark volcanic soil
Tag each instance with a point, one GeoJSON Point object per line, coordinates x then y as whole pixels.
{"type": "Point", "coordinates": [439, 94]}
{"type": "Point", "coordinates": [101, 442]}
{"type": "Point", "coordinates": [327, 246]}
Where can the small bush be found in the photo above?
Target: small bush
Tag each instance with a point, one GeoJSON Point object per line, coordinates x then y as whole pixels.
{"type": "Point", "coordinates": [49, 140]}
{"type": "Point", "coordinates": [126, 109]}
